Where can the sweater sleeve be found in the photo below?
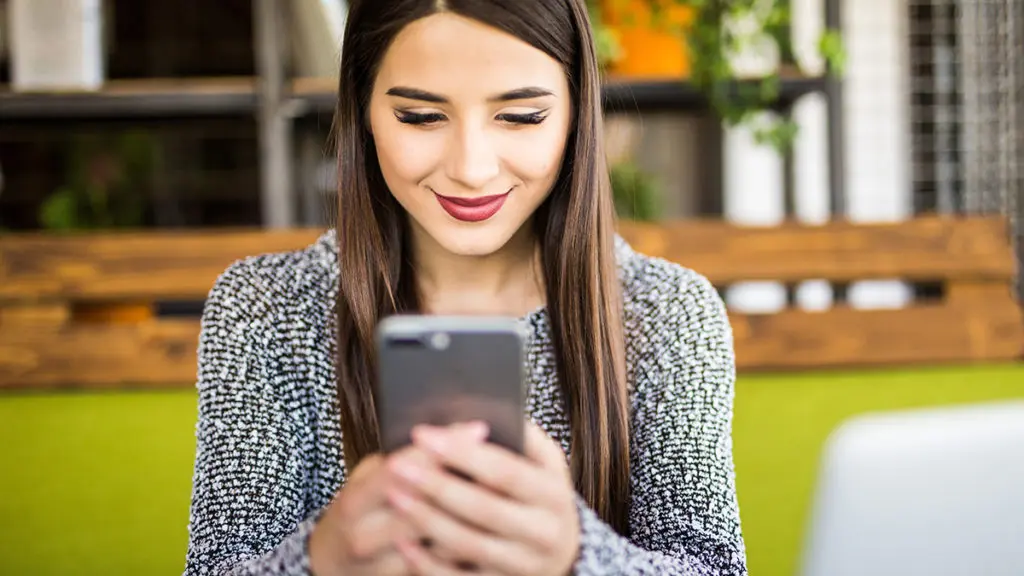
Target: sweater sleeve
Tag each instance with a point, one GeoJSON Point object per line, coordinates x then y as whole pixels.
{"type": "Point", "coordinates": [247, 507]}
{"type": "Point", "coordinates": [684, 516]}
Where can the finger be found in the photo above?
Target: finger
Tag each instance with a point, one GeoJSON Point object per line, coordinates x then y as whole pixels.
{"type": "Point", "coordinates": [488, 464]}
{"type": "Point", "coordinates": [367, 489]}
{"type": "Point", "coordinates": [371, 535]}
{"type": "Point", "coordinates": [465, 543]}
{"type": "Point", "coordinates": [472, 431]}
{"type": "Point", "coordinates": [542, 449]}
{"type": "Point", "coordinates": [422, 563]}
{"type": "Point", "coordinates": [374, 534]}
{"type": "Point", "coordinates": [363, 491]}
{"type": "Point", "coordinates": [473, 503]}
{"type": "Point", "coordinates": [392, 563]}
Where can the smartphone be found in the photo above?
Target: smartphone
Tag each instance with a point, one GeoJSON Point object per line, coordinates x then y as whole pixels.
{"type": "Point", "coordinates": [442, 370]}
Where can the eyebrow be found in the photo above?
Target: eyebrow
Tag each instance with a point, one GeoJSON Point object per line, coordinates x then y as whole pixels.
{"type": "Point", "coordinates": [517, 94]}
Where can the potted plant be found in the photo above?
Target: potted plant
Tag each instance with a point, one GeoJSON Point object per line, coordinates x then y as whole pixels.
{"type": "Point", "coordinates": [643, 39]}
{"type": "Point", "coordinates": [104, 190]}
{"type": "Point", "coordinates": [105, 179]}
{"type": "Point", "coordinates": [636, 193]}
{"type": "Point", "coordinates": [708, 35]}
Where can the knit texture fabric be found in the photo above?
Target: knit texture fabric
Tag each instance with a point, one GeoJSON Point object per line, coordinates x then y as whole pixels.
{"type": "Point", "coordinates": [269, 446]}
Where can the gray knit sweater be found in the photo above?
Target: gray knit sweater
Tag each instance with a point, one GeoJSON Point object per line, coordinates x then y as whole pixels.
{"type": "Point", "coordinates": [269, 452]}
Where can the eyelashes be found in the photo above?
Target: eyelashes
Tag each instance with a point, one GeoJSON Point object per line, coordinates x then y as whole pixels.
{"type": "Point", "coordinates": [418, 119]}
{"type": "Point", "coordinates": [530, 119]}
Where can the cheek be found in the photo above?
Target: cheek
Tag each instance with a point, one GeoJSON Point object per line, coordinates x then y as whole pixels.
{"type": "Point", "coordinates": [406, 156]}
{"type": "Point", "coordinates": [537, 158]}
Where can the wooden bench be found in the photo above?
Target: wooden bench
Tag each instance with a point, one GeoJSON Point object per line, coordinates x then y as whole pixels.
{"type": "Point", "coordinates": [77, 310]}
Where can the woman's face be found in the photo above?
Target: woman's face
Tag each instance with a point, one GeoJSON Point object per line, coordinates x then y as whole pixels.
{"type": "Point", "coordinates": [470, 125]}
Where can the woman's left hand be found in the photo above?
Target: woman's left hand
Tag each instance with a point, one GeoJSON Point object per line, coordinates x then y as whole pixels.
{"type": "Point", "coordinates": [517, 517]}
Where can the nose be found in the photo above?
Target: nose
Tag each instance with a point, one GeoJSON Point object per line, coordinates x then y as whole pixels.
{"type": "Point", "coordinates": [473, 161]}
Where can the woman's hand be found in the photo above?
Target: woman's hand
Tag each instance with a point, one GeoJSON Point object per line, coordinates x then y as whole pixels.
{"type": "Point", "coordinates": [357, 532]}
{"type": "Point", "coordinates": [518, 517]}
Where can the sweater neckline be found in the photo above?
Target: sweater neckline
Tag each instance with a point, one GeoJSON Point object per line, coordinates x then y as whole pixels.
{"type": "Point", "coordinates": [536, 318]}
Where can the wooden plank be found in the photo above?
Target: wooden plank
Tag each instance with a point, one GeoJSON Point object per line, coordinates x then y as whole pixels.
{"type": "Point", "coordinates": [845, 337]}
{"type": "Point", "coordinates": [43, 315]}
{"type": "Point", "coordinates": [132, 266]}
{"type": "Point", "coordinates": [162, 353]}
{"type": "Point", "coordinates": [926, 248]}
{"type": "Point", "coordinates": [977, 292]}
{"type": "Point", "coordinates": [153, 354]}
{"type": "Point", "coordinates": [185, 264]}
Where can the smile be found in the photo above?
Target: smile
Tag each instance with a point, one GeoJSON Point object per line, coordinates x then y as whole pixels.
{"type": "Point", "coordinates": [475, 209]}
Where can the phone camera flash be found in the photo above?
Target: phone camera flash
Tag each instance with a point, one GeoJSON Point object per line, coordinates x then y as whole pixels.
{"type": "Point", "coordinates": [440, 341]}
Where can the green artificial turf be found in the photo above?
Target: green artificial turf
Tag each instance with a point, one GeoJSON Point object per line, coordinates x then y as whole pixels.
{"type": "Point", "coordinates": [99, 483]}
{"type": "Point", "coordinates": [782, 422]}
{"type": "Point", "coordinates": [95, 483]}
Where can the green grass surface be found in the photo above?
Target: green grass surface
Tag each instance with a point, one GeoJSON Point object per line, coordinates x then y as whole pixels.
{"type": "Point", "coordinates": [782, 422]}
{"type": "Point", "coordinates": [95, 483]}
{"type": "Point", "coordinates": [99, 483]}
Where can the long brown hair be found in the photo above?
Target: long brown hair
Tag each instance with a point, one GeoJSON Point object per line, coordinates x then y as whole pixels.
{"type": "Point", "coordinates": [575, 227]}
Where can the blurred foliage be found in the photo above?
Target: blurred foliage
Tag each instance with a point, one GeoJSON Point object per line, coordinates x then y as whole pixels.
{"type": "Point", "coordinates": [105, 179]}
{"type": "Point", "coordinates": [721, 30]}
{"type": "Point", "coordinates": [637, 193]}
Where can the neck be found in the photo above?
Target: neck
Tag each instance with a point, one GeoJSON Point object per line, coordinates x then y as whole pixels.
{"type": "Point", "coordinates": [505, 283]}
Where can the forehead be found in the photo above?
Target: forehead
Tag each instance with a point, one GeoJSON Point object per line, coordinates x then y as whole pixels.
{"type": "Point", "coordinates": [463, 58]}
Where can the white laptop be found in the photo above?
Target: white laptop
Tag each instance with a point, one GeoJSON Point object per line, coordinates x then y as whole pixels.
{"type": "Point", "coordinates": [929, 492]}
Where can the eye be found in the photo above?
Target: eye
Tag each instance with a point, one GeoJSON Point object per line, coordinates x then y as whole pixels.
{"type": "Point", "coordinates": [419, 119]}
{"type": "Point", "coordinates": [532, 118]}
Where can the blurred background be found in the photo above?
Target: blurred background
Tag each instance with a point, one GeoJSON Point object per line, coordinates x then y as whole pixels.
{"type": "Point", "coordinates": [849, 173]}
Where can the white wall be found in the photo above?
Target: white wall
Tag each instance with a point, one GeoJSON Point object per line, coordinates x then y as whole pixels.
{"type": "Point", "coordinates": [876, 147]}
{"type": "Point", "coordinates": [878, 178]}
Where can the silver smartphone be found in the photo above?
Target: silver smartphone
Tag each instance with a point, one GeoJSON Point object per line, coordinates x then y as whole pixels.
{"type": "Point", "coordinates": [443, 370]}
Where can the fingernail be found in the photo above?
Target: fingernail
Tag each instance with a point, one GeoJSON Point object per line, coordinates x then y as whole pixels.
{"type": "Point", "coordinates": [399, 499]}
{"type": "Point", "coordinates": [407, 470]}
{"type": "Point", "coordinates": [430, 438]}
{"type": "Point", "coordinates": [477, 429]}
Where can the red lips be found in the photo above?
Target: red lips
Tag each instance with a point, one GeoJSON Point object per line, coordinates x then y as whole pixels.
{"type": "Point", "coordinates": [475, 209]}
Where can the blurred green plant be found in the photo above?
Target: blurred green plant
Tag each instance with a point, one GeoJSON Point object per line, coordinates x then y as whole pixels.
{"type": "Point", "coordinates": [637, 194]}
{"type": "Point", "coordinates": [105, 179]}
{"type": "Point", "coordinates": [721, 30]}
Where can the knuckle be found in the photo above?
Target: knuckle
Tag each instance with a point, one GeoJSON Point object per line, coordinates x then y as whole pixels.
{"type": "Point", "coordinates": [343, 508]}
{"type": "Point", "coordinates": [471, 549]}
{"type": "Point", "coordinates": [533, 564]}
{"type": "Point", "coordinates": [547, 536]}
{"type": "Point", "coordinates": [358, 547]}
{"type": "Point", "coordinates": [505, 476]}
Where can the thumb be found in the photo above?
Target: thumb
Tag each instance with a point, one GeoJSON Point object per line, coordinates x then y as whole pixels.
{"type": "Point", "coordinates": [540, 448]}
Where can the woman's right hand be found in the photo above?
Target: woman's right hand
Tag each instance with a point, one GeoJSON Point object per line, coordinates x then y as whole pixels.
{"type": "Point", "coordinates": [357, 533]}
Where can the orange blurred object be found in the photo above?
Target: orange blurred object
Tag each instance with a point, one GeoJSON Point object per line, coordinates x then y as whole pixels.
{"type": "Point", "coordinates": [114, 313]}
{"type": "Point", "coordinates": [649, 49]}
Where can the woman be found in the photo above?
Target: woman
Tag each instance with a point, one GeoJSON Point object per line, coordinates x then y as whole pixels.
{"type": "Point", "coordinates": [472, 181]}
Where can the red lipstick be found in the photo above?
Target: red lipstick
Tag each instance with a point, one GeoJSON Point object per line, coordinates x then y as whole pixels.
{"type": "Point", "coordinates": [472, 209]}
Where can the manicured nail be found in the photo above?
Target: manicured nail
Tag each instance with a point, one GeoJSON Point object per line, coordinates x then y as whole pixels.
{"type": "Point", "coordinates": [407, 470]}
{"type": "Point", "coordinates": [399, 499]}
{"type": "Point", "coordinates": [477, 429]}
{"type": "Point", "coordinates": [430, 438]}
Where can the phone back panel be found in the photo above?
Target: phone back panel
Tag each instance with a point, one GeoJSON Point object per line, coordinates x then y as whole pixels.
{"type": "Point", "coordinates": [442, 370]}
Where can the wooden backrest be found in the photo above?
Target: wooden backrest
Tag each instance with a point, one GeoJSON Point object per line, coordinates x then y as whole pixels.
{"type": "Point", "coordinates": [51, 287]}
{"type": "Point", "coordinates": [183, 265]}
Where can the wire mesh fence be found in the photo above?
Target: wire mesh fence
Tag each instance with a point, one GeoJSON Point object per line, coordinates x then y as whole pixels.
{"type": "Point", "coordinates": [967, 109]}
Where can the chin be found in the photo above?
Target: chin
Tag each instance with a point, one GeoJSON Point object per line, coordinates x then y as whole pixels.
{"type": "Point", "coordinates": [475, 240]}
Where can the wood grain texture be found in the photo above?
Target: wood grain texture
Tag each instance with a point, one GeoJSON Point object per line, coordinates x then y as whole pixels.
{"type": "Point", "coordinates": [162, 353]}
{"type": "Point", "coordinates": [927, 248]}
{"type": "Point", "coordinates": [169, 265]}
{"type": "Point", "coordinates": [130, 266]}
{"type": "Point", "coordinates": [159, 353]}
{"type": "Point", "coordinates": [58, 328]}
{"type": "Point", "coordinates": [845, 337]}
